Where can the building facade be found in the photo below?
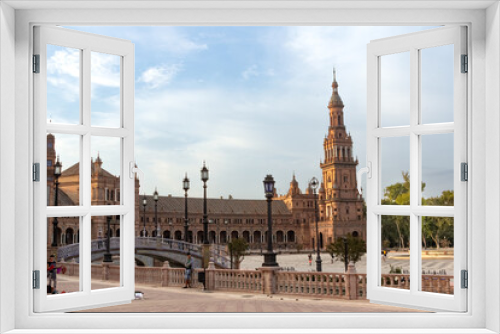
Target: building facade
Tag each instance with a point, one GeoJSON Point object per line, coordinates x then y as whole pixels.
{"type": "Point", "coordinates": [339, 205]}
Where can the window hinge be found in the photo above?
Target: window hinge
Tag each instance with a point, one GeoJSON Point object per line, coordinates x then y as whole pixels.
{"type": "Point", "coordinates": [36, 63]}
{"type": "Point", "coordinates": [465, 64]}
{"type": "Point", "coordinates": [36, 172]}
{"type": "Point", "coordinates": [464, 172]}
{"type": "Point", "coordinates": [465, 279]}
{"type": "Point", "coordinates": [36, 279]}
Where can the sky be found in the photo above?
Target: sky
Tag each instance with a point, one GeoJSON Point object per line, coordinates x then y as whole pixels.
{"type": "Point", "coordinates": [249, 101]}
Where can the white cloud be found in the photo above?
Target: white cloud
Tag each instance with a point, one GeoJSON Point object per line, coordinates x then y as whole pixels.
{"type": "Point", "coordinates": [250, 72]}
{"type": "Point", "coordinates": [105, 70]}
{"type": "Point", "coordinates": [253, 71]}
{"type": "Point", "coordinates": [160, 75]}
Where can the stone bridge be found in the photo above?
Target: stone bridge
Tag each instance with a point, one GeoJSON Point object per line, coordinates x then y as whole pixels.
{"type": "Point", "coordinates": [149, 249]}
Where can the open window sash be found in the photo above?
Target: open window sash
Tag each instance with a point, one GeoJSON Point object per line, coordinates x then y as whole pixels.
{"type": "Point", "coordinates": [84, 208]}
{"type": "Point", "coordinates": [416, 293]}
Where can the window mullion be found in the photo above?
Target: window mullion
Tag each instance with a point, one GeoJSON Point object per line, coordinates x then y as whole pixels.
{"type": "Point", "coordinates": [85, 174]}
{"type": "Point", "coordinates": [414, 170]}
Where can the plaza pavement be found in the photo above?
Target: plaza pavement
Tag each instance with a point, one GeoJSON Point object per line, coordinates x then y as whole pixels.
{"type": "Point", "coordinates": [300, 262]}
{"type": "Point", "coordinates": [179, 300]}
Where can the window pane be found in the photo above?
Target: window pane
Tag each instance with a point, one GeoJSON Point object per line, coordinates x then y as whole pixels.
{"type": "Point", "coordinates": [437, 84]}
{"type": "Point", "coordinates": [105, 170]}
{"type": "Point", "coordinates": [105, 261]}
{"type": "Point", "coordinates": [437, 169]}
{"type": "Point", "coordinates": [63, 269]}
{"type": "Point", "coordinates": [395, 89]}
{"type": "Point", "coordinates": [395, 252]}
{"type": "Point", "coordinates": [105, 90]}
{"type": "Point", "coordinates": [63, 169]}
{"type": "Point", "coordinates": [395, 166]}
{"type": "Point", "coordinates": [63, 85]}
{"type": "Point", "coordinates": [437, 254]}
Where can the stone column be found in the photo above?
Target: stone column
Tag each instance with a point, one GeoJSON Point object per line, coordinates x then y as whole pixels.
{"type": "Point", "coordinates": [352, 277]}
{"type": "Point", "coordinates": [210, 277]}
{"type": "Point", "coordinates": [269, 279]}
{"type": "Point", "coordinates": [164, 273]}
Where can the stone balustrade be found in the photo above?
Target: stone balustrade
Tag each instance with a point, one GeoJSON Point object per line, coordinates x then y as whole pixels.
{"type": "Point", "coordinates": [350, 285]}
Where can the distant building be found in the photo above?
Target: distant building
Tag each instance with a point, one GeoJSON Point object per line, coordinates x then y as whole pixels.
{"type": "Point", "coordinates": [340, 206]}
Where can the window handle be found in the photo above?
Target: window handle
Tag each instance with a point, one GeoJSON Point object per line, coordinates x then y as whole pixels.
{"type": "Point", "coordinates": [365, 170]}
{"type": "Point", "coordinates": [133, 169]}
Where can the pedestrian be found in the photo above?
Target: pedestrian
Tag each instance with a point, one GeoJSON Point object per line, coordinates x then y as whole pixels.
{"type": "Point", "coordinates": [189, 266]}
{"type": "Point", "coordinates": [52, 270]}
{"type": "Point", "coordinates": [310, 259]}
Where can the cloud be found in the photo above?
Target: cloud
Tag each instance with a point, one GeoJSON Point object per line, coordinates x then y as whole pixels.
{"type": "Point", "coordinates": [253, 71]}
{"type": "Point", "coordinates": [160, 75]}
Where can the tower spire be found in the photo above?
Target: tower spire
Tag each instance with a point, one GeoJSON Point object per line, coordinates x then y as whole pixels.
{"type": "Point", "coordinates": [335, 100]}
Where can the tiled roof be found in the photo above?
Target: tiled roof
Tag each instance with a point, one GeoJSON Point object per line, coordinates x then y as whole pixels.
{"type": "Point", "coordinates": [215, 205]}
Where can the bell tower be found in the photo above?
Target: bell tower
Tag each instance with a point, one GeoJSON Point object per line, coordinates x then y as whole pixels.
{"type": "Point", "coordinates": [341, 204]}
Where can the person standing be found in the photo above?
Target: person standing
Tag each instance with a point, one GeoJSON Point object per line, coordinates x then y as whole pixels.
{"type": "Point", "coordinates": [189, 266]}
{"type": "Point", "coordinates": [310, 259]}
{"type": "Point", "coordinates": [52, 274]}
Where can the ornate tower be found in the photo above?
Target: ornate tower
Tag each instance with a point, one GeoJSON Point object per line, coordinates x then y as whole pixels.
{"type": "Point", "coordinates": [341, 204]}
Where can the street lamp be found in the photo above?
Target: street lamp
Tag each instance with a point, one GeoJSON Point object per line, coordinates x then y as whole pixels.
{"type": "Point", "coordinates": [204, 178]}
{"type": "Point", "coordinates": [346, 253]}
{"type": "Point", "coordinates": [269, 256]}
{"type": "Point", "coordinates": [144, 203]}
{"type": "Point", "coordinates": [314, 185]}
{"type": "Point", "coordinates": [57, 173]}
{"type": "Point", "coordinates": [155, 197]}
{"type": "Point", "coordinates": [107, 255]}
{"type": "Point", "coordinates": [185, 186]}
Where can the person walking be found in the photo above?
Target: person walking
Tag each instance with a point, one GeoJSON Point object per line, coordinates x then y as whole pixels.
{"type": "Point", "coordinates": [310, 259]}
{"type": "Point", "coordinates": [189, 266]}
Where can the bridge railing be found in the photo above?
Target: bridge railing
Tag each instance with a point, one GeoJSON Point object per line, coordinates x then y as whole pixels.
{"type": "Point", "coordinates": [218, 253]}
{"type": "Point", "coordinates": [350, 285]}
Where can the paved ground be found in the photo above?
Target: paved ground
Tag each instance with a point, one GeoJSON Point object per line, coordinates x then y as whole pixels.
{"type": "Point", "coordinates": [178, 300]}
{"type": "Point", "coordinates": [397, 260]}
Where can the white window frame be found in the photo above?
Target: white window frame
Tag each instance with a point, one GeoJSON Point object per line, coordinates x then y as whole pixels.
{"type": "Point", "coordinates": [483, 19]}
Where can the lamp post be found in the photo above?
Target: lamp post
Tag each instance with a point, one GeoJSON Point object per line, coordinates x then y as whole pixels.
{"type": "Point", "coordinates": [206, 244]}
{"type": "Point", "coordinates": [346, 253]}
{"type": "Point", "coordinates": [185, 186]}
{"type": "Point", "coordinates": [57, 173]}
{"type": "Point", "coordinates": [204, 178]}
{"type": "Point", "coordinates": [107, 255]}
{"type": "Point", "coordinates": [155, 197]}
{"type": "Point", "coordinates": [269, 255]}
{"type": "Point", "coordinates": [144, 203]}
{"type": "Point", "coordinates": [314, 185]}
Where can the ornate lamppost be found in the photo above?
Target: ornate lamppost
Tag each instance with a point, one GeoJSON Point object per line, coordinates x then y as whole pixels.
{"type": "Point", "coordinates": [144, 203]}
{"type": "Point", "coordinates": [204, 178]}
{"type": "Point", "coordinates": [206, 243]}
{"type": "Point", "coordinates": [107, 255]}
{"type": "Point", "coordinates": [57, 173]}
{"type": "Point", "coordinates": [269, 255]}
{"type": "Point", "coordinates": [346, 253]}
{"type": "Point", "coordinates": [185, 186]}
{"type": "Point", "coordinates": [314, 185]}
{"type": "Point", "coordinates": [155, 197]}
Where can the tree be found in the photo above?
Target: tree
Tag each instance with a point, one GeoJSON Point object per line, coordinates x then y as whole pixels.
{"type": "Point", "coordinates": [237, 247]}
{"type": "Point", "coordinates": [356, 248]}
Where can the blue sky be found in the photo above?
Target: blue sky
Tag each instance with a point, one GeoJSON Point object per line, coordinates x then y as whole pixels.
{"type": "Point", "coordinates": [250, 101]}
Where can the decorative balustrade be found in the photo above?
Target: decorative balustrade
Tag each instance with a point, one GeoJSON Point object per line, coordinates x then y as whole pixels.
{"type": "Point", "coordinates": [430, 283]}
{"type": "Point", "coordinates": [314, 284]}
{"type": "Point", "coordinates": [238, 280]}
